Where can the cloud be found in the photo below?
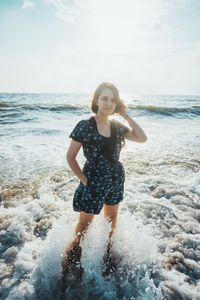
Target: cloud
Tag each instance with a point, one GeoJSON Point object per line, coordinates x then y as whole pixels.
{"type": "Point", "coordinates": [64, 11]}
{"type": "Point", "coordinates": [136, 40]}
{"type": "Point", "coordinates": [27, 4]}
{"type": "Point", "coordinates": [142, 46]}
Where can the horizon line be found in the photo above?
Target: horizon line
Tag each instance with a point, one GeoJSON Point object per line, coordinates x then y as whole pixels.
{"type": "Point", "coordinates": [86, 93]}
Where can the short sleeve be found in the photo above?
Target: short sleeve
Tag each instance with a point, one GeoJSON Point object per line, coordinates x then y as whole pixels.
{"type": "Point", "coordinates": [79, 133]}
{"type": "Point", "coordinates": [121, 128]}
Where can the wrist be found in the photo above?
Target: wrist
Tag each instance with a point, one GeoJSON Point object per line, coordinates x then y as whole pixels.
{"type": "Point", "coordinates": [84, 180]}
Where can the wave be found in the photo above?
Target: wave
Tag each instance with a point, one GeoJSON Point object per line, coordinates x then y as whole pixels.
{"type": "Point", "coordinates": [163, 110]}
{"type": "Point", "coordinates": [53, 107]}
{"type": "Point", "coordinates": [149, 109]}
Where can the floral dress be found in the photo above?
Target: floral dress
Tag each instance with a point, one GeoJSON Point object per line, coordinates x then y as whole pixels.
{"type": "Point", "coordinates": [105, 178]}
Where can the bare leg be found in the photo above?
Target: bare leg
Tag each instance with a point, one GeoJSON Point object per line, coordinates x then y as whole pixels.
{"type": "Point", "coordinates": [82, 226]}
{"type": "Point", "coordinates": [72, 256]}
{"type": "Point", "coordinates": [110, 212]}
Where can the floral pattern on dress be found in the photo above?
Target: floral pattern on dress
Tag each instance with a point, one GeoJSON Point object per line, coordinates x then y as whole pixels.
{"type": "Point", "coordinates": [105, 184]}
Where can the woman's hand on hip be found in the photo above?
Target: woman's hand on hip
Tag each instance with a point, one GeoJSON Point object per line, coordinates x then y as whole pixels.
{"type": "Point", "coordinates": [84, 181]}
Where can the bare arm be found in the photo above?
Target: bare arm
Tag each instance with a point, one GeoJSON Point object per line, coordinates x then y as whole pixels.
{"type": "Point", "coordinates": [72, 152]}
{"type": "Point", "coordinates": [136, 134]}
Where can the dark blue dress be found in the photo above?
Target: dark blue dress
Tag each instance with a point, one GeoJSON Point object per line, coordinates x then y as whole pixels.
{"type": "Point", "coordinates": [106, 177]}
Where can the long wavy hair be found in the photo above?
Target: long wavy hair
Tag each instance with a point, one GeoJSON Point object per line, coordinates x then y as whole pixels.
{"type": "Point", "coordinates": [99, 89]}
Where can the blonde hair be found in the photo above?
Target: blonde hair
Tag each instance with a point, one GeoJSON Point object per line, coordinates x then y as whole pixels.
{"type": "Point", "coordinates": [99, 89]}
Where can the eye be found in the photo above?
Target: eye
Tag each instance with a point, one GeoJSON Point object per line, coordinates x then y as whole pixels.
{"type": "Point", "coordinates": [106, 99]}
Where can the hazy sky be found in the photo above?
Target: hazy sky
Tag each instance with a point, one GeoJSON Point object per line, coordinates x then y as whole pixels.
{"type": "Point", "coordinates": [142, 46]}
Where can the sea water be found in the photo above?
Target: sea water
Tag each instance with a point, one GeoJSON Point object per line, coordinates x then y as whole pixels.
{"type": "Point", "coordinates": [157, 239]}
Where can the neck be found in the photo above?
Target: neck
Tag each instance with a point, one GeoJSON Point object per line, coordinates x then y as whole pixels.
{"type": "Point", "coordinates": [101, 118]}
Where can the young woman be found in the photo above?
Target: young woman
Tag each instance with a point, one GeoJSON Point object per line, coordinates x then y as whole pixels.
{"type": "Point", "coordinates": [102, 177]}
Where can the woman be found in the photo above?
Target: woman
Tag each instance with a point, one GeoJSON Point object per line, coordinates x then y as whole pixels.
{"type": "Point", "coordinates": [102, 178]}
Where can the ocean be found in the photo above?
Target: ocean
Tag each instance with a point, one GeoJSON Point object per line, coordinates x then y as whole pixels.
{"type": "Point", "coordinates": [157, 239]}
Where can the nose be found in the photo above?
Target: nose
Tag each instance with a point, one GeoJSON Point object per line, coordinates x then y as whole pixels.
{"type": "Point", "coordinates": [109, 102]}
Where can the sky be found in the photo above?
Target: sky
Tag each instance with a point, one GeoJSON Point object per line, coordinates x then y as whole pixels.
{"type": "Point", "coordinates": [61, 46]}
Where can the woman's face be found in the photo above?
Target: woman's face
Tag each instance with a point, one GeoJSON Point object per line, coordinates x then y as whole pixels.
{"type": "Point", "coordinates": [106, 102]}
